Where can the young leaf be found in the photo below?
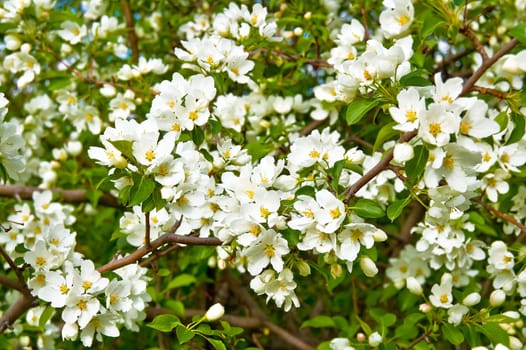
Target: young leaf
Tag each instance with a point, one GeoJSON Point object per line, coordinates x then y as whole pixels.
{"type": "Point", "coordinates": [367, 208]}
{"type": "Point", "coordinates": [519, 32]}
{"type": "Point", "coordinates": [217, 344]}
{"type": "Point", "coordinates": [452, 334]}
{"type": "Point", "coordinates": [183, 334]}
{"type": "Point", "coordinates": [141, 190]}
{"type": "Point", "coordinates": [181, 281]}
{"type": "Point", "coordinates": [164, 323]}
{"type": "Point", "coordinates": [415, 167]}
{"type": "Point", "coordinates": [357, 109]}
{"type": "Point", "coordinates": [319, 322]}
{"type": "Point", "coordinates": [518, 128]}
{"type": "Point", "coordinates": [395, 209]}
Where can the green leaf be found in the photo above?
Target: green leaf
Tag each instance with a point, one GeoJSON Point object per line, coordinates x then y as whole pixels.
{"type": "Point", "coordinates": [181, 281]}
{"type": "Point", "coordinates": [452, 334]}
{"type": "Point", "coordinates": [500, 318]}
{"type": "Point", "coordinates": [357, 109]}
{"type": "Point", "coordinates": [367, 208]}
{"type": "Point", "coordinates": [518, 128]}
{"type": "Point", "coordinates": [306, 191]}
{"type": "Point", "coordinates": [176, 306]}
{"type": "Point", "coordinates": [320, 321]}
{"type": "Point", "coordinates": [494, 333]}
{"type": "Point", "coordinates": [184, 334]}
{"type": "Point", "coordinates": [414, 168]}
{"type": "Point", "coordinates": [141, 190]}
{"type": "Point", "coordinates": [519, 32]}
{"type": "Point", "coordinates": [502, 120]}
{"type": "Point", "coordinates": [217, 344]}
{"type": "Point", "coordinates": [395, 209]}
{"type": "Point", "coordinates": [45, 317]}
{"type": "Point", "coordinates": [415, 78]}
{"type": "Point", "coordinates": [258, 150]}
{"type": "Point", "coordinates": [165, 323]}
{"type": "Point", "coordinates": [198, 136]}
{"type": "Point", "coordinates": [125, 147]}
{"type": "Point", "coordinates": [386, 132]}
{"type": "Point", "coordinates": [336, 172]}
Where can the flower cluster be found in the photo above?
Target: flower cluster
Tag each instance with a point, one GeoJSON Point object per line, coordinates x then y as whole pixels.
{"type": "Point", "coordinates": [91, 305]}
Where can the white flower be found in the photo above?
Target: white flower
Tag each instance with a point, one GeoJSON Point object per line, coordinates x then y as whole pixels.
{"type": "Point", "coordinates": [455, 313]}
{"type": "Point", "coordinates": [441, 295]}
{"type": "Point", "coordinates": [375, 339]}
{"type": "Point", "coordinates": [437, 124]}
{"type": "Point", "coordinates": [403, 152]}
{"type": "Point", "coordinates": [72, 32]}
{"type": "Point", "coordinates": [396, 17]}
{"type": "Point", "coordinates": [268, 249]}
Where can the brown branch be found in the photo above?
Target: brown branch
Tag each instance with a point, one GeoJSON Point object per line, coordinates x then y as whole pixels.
{"type": "Point", "coordinates": [15, 269]}
{"type": "Point", "coordinates": [241, 321]}
{"type": "Point", "coordinates": [12, 284]}
{"type": "Point", "coordinates": [377, 169]}
{"type": "Point", "coordinates": [488, 91]}
{"type": "Point", "coordinates": [130, 26]}
{"type": "Point", "coordinates": [70, 196]}
{"type": "Point", "coordinates": [311, 126]}
{"type": "Point", "coordinates": [505, 217]}
{"type": "Point", "coordinates": [470, 83]}
{"type": "Point", "coordinates": [167, 238]}
{"type": "Point", "coordinates": [23, 303]}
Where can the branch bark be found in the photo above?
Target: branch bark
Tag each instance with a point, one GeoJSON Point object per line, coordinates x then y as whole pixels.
{"type": "Point", "coordinates": [70, 196]}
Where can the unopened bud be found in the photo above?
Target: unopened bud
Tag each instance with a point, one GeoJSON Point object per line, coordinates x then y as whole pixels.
{"type": "Point", "coordinates": [379, 236]}
{"type": "Point", "coordinates": [425, 308]}
{"type": "Point", "coordinates": [413, 286]}
{"type": "Point", "coordinates": [303, 268]}
{"type": "Point", "coordinates": [215, 312]}
{"type": "Point", "coordinates": [336, 270]}
{"type": "Point", "coordinates": [497, 297]}
{"type": "Point", "coordinates": [403, 152]}
{"type": "Point", "coordinates": [360, 337]}
{"type": "Point", "coordinates": [375, 339]}
{"type": "Point", "coordinates": [471, 299]}
{"type": "Point", "coordinates": [120, 162]}
{"type": "Point", "coordinates": [368, 266]}
{"type": "Point", "coordinates": [298, 31]}
{"type": "Point", "coordinates": [307, 15]}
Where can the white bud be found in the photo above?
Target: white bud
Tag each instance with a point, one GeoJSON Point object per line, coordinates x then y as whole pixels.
{"type": "Point", "coordinates": [107, 90]}
{"type": "Point", "coordinates": [74, 147]}
{"type": "Point", "coordinates": [515, 343]}
{"type": "Point", "coordinates": [298, 31]}
{"type": "Point", "coordinates": [25, 48]}
{"type": "Point", "coordinates": [368, 266]}
{"type": "Point", "coordinates": [512, 314]}
{"type": "Point", "coordinates": [375, 339]}
{"type": "Point", "coordinates": [12, 42]}
{"type": "Point", "coordinates": [497, 297]}
{"type": "Point", "coordinates": [403, 152]}
{"type": "Point", "coordinates": [471, 299]}
{"type": "Point", "coordinates": [307, 15]}
{"type": "Point", "coordinates": [379, 236]}
{"type": "Point", "coordinates": [215, 312]}
{"type": "Point", "coordinates": [413, 286]}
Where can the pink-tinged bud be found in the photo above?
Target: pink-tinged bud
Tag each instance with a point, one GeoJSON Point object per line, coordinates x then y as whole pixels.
{"type": "Point", "coordinates": [497, 297]}
{"type": "Point", "coordinates": [425, 308]}
{"type": "Point", "coordinates": [215, 312]}
{"type": "Point", "coordinates": [360, 337]}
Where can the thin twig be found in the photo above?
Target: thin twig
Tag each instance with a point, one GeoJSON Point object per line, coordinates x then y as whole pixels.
{"type": "Point", "coordinates": [375, 170]}
{"type": "Point", "coordinates": [488, 91]}
{"type": "Point", "coordinates": [12, 284]}
{"type": "Point", "coordinates": [167, 238]}
{"type": "Point", "coordinates": [70, 196]}
{"type": "Point", "coordinates": [468, 85]}
{"type": "Point", "coordinates": [23, 303]}
{"type": "Point", "coordinates": [13, 267]}
{"type": "Point", "coordinates": [505, 217]}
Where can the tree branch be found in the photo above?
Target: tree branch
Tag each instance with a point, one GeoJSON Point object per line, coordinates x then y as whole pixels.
{"type": "Point", "coordinates": [377, 169]}
{"type": "Point", "coordinates": [505, 217]}
{"type": "Point", "coordinates": [130, 26]}
{"type": "Point", "coordinates": [23, 303]}
{"type": "Point", "coordinates": [70, 196]}
{"type": "Point", "coordinates": [167, 238]}
{"type": "Point", "coordinates": [12, 284]}
{"type": "Point", "coordinates": [470, 83]}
